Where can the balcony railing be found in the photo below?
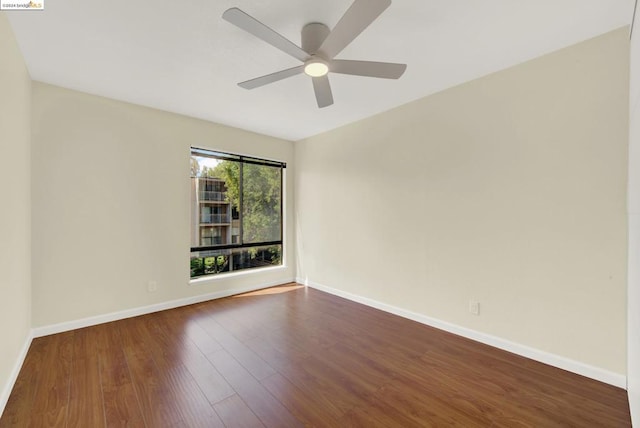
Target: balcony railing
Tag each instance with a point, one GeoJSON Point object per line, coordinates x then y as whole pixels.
{"type": "Point", "coordinates": [211, 240]}
{"type": "Point", "coordinates": [215, 218]}
{"type": "Point", "coordinates": [207, 195]}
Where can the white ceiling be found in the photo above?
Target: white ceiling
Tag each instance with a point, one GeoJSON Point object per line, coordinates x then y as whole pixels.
{"type": "Point", "coordinates": [180, 56]}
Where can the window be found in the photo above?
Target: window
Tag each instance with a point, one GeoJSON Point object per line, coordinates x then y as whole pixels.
{"type": "Point", "coordinates": [236, 212]}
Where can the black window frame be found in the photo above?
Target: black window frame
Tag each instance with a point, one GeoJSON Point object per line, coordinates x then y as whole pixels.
{"type": "Point", "coordinates": [215, 154]}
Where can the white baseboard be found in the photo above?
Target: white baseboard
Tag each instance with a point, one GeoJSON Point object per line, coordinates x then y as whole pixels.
{"type": "Point", "coordinates": [134, 312]}
{"type": "Point", "coordinates": [573, 366]}
{"type": "Point", "coordinates": [8, 387]}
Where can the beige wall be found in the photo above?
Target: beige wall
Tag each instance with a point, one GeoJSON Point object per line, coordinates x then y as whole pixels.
{"type": "Point", "coordinates": [15, 209]}
{"type": "Point", "coordinates": [633, 297]}
{"type": "Point", "coordinates": [111, 195]}
{"type": "Point", "coordinates": [509, 189]}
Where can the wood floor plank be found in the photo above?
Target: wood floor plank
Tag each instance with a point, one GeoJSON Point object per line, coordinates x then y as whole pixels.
{"type": "Point", "coordinates": [270, 411]}
{"type": "Point", "coordinates": [193, 342]}
{"type": "Point", "coordinates": [333, 391]}
{"type": "Point", "coordinates": [150, 384]}
{"type": "Point", "coordinates": [22, 400]}
{"type": "Point", "coordinates": [85, 391]}
{"type": "Point", "coordinates": [243, 354]}
{"type": "Point", "coordinates": [366, 417]}
{"type": "Point", "coordinates": [425, 402]}
{"type": "Point", "coordinates": [121, 406]}
{"type": "Point", "coordinates": [243, 319]}
{"type": "Point", "coordinates": [187, 397]}
{"type": "Point", "coordinates": [291, 356]}
{"type": "Point", "coordinates": [211, 382]}
{"type": "Point", "coordinates": [335, 394]}
{"type": "Point", "coordinates": [185, 321]}
{"type": "Point", "coordinates": [279, 356]}
{"type": "Point", "coordinates": [295, 371]}
{"type": "Point", "coordinates": [499, 387]}
{"type": "Point", "coordinates": [52, 396]}
{"type": "Point", "coordinates": [301, 403]}
{"type": "Point", "coordinates": [235, 413]}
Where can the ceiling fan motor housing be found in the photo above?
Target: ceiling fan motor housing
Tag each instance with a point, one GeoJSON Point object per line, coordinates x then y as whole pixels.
{"type": "Point", "coordinates": [313, 35]}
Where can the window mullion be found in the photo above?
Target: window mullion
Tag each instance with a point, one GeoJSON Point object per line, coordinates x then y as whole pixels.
{"type": "Point", "coordinates": [240, 205]}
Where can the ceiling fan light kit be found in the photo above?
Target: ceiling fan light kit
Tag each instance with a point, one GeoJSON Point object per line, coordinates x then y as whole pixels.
{"type": "Point", "coordinates": [316, 67]}
{"type": "Point", "coordinates": [319, 48]}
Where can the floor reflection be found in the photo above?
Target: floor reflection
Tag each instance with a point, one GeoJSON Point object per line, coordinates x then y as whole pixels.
{"type": "Point", "coordinates": [272, 290]}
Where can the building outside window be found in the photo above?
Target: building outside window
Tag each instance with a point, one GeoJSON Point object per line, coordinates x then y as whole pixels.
{"type": "Point", "coordinates": [236, 212]}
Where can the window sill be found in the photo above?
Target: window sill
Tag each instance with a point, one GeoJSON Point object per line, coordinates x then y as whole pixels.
{"type": "Point", "coordinates": [229, 275]}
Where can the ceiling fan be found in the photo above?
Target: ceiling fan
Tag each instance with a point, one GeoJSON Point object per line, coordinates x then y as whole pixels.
{"type": "Point", "coordinates": [319, 48]}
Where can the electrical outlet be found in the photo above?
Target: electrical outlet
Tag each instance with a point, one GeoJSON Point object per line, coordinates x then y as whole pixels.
{"type": "Point", "coordinates": [474, 307]}
{"type": "Point", "coordinates": [152, 286]}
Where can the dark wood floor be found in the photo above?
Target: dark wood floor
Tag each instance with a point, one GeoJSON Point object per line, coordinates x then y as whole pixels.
{"type": "Point", "coordinates": [287, 357]}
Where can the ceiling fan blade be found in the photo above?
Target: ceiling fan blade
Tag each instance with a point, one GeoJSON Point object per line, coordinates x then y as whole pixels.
{"type": "Point", "coordinates": [358, 17]}
{"type": "Point", "coordinates": [270, 78]}
{"type": "Point", "coordinates": [384, 70]}
{"type": "Point", "coordinates": [261, 31]}
{"type": "Point", "coordinates": [322, 88]}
